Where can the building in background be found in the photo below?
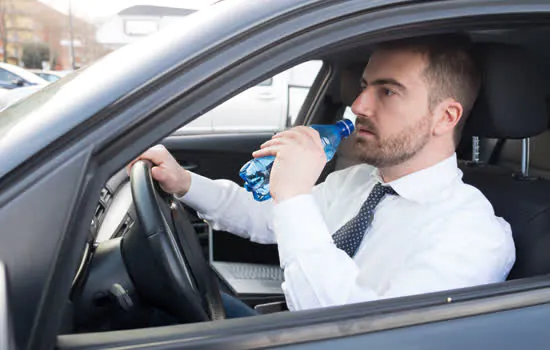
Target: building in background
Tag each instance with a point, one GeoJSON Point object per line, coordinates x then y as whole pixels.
{"type": "Point", "coordinates": [137, 22]}
{"type": "Point", "coordinates": [31, 31]}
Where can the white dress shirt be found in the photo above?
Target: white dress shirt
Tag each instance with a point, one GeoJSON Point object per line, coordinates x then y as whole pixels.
{"type": "Point", "coordinates": [436, 234]}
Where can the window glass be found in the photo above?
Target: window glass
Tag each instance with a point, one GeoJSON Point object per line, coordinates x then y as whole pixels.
{"type": "Point", "coordinates": [19, 72]}
{"type": "Point", "coordinates": [270, 106]}
{"type": "Point", "coordinates": [140, 27]}
{"type": "Point", "coordinates": [7, 77]}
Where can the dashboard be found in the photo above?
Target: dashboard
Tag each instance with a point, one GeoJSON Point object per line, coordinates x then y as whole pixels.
{"type": "Point", "coordinates": [114, 287]}
{"type": "Point", "coordinates": [119, 219]}
{"type": "Point", "coordinates": [114, 214]}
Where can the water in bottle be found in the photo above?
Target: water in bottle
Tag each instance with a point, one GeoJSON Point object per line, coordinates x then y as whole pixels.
{"type": "Point", "coordinates": [256, 172]}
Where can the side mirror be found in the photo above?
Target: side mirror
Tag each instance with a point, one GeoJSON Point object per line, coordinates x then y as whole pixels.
{"type": "Point", "coordinates": [18, 82]}
{"type": "Point", "coordinates": [7, 340]}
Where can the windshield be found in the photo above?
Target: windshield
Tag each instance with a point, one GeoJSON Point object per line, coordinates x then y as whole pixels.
{"type": "Point", "coordinates": [31, 77]}
{"type": "Point", "coordinates": [49, 77]}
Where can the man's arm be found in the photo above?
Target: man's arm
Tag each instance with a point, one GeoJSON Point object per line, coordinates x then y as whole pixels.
{"type": "Point", "coordinates": [223, 203]}
{"type": "Point", "coordinates": [463, 251]}
{"type": "Point", "coordinates": [229, 207]}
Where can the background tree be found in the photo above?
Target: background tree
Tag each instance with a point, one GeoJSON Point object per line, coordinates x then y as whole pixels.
{"type": "Point", "coordinates": [5, 9]}
{"type": "Point", "coordinates": [34, 54]}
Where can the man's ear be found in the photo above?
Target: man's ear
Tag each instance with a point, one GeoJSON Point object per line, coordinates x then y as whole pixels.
{"type": "Point", "coordinates": [448, 114]}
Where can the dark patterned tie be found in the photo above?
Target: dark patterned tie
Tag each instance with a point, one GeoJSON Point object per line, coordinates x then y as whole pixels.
{"type": "Point", "coordinates": [349, 237]}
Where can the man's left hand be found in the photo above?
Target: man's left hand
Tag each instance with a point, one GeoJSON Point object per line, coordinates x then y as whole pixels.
{"type": "Point", "coordinates": [300, 158]}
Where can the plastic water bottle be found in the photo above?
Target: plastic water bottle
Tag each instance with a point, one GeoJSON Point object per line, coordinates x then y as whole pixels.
{"type": "Point", "coordinates": [256, 172]}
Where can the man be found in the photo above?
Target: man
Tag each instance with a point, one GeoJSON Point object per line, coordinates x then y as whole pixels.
{"type": "Point", "coordinates": [410, 226]}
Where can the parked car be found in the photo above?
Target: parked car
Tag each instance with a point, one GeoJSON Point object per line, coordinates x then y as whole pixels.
{"type": "Point", "coordinates": [62, 182]}
{"type": "Point", "coordinates": [9, 97]}
{"type": "Point", "coordinates": [50, 75]}
{"type": "Point", "coordinates": [277, 99]}
{"type": "Point", "coordinates": [12, 77]}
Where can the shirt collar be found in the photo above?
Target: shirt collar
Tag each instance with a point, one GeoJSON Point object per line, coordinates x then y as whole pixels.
{"type": "Point", "coordinates": [425, 185]}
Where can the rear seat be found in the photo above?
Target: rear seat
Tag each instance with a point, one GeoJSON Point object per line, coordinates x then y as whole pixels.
{"type": "Point", "coordinates": [511, 153]}
{"type": "Point", "coordinates": [539, 164]}
{"type": "Point", "coordinates": [511, 106]}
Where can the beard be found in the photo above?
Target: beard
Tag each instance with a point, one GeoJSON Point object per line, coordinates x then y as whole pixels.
{"type": "Point", "coordinates": [391, 150]}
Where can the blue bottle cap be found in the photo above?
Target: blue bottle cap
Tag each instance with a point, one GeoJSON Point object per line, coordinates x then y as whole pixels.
{"type": "Point", "coordinates": [346, 127]}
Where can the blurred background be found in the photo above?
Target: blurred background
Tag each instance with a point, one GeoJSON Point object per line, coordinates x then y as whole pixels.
{"type": "Point", "coordinates": [54, 37]}
{"type": "Point", "coordinates": [42, 41]}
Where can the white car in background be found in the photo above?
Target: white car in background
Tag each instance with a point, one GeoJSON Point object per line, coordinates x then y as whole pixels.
{"type": "Point", "coordinates": [9, 97]}
{"type": "Point", "coordinates": [14, 77]}
{"type": "Point", "coordinates": [270, 106]}
{"type": "Point", "coordinates": [50, 75]}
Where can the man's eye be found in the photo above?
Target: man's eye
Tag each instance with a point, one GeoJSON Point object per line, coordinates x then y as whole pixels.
{"type": "Point", "coordinates": [388, 92]}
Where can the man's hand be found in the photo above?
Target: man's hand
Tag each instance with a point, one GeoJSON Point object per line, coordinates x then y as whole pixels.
{"type": "Point", "coordinates": [171, 176]}
{"type": "Point", "coordinates": [300, 158]}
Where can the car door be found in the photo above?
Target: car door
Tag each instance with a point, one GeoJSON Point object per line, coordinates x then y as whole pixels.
{"type": "Point", "coordinates": [216, 156]}
{"type": "Point", "coordinates": [487, 317]}
{"type": "Point", "coordinates": [7, 341]}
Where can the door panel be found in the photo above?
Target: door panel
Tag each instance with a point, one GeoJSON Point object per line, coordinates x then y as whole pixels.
{"type": "Point", "coordinates": [216, 156]}
{"type": "Point", "coordinates": [525, 328]}
{"type": "Point", "coordinates": [7, 340]}
{"type": "Point", "coordinates": [522, 328]}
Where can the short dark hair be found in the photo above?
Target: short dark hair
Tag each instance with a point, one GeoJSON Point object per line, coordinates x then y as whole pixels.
{"type": "Point", "coordinates": [451, 71]}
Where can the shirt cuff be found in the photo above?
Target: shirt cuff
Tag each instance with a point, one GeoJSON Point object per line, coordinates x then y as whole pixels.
{"type": "Point", "coordinates": [299, 228]}
{"type": "Point", "coordinates": [202, 195]}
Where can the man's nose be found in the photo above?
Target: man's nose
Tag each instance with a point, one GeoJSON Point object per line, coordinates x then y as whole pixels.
{"type": "Point", "coordinates": [364, 103]}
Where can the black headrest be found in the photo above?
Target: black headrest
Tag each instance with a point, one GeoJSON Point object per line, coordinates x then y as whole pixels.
{"type": "Point", "coordinates": [511, 103]}
{"type": "Point", "coordinates": [350, 82]}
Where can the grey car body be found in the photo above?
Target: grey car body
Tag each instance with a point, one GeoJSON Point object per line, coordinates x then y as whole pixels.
{"type": "Point", "coordinates": [94, 122]}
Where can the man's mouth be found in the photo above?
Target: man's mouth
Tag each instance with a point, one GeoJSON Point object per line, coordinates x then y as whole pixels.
{"type": "Point", "coordinates": [362, 131]}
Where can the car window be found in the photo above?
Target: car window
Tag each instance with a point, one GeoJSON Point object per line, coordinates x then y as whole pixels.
{"type": "Point", "coordinates": [24, 74]}
{"type": "Point", "coordinates": [7, 77]}
{"type": "Point", "coordinates": [49, 77]}
{"type": "Point", "coordinates": [270, 106]}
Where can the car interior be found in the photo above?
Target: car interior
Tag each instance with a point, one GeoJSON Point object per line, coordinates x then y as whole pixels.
{"type": "Point", "coordinates": [502, 153]}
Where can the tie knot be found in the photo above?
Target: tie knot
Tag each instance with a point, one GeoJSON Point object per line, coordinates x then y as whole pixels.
{"type": "Point", "coordinates": [381, 190]}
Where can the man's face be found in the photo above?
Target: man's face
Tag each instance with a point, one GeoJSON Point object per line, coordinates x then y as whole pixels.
{"type": "Point", "coordinates": [394, 121]}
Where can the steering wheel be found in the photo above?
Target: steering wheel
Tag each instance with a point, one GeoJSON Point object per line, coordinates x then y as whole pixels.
{"type": "Point", "coordinates": [188, 288]}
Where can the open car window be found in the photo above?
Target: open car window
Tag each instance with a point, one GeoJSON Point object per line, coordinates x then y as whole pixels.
{"type": "Point", "coordinates": [269, 106]}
